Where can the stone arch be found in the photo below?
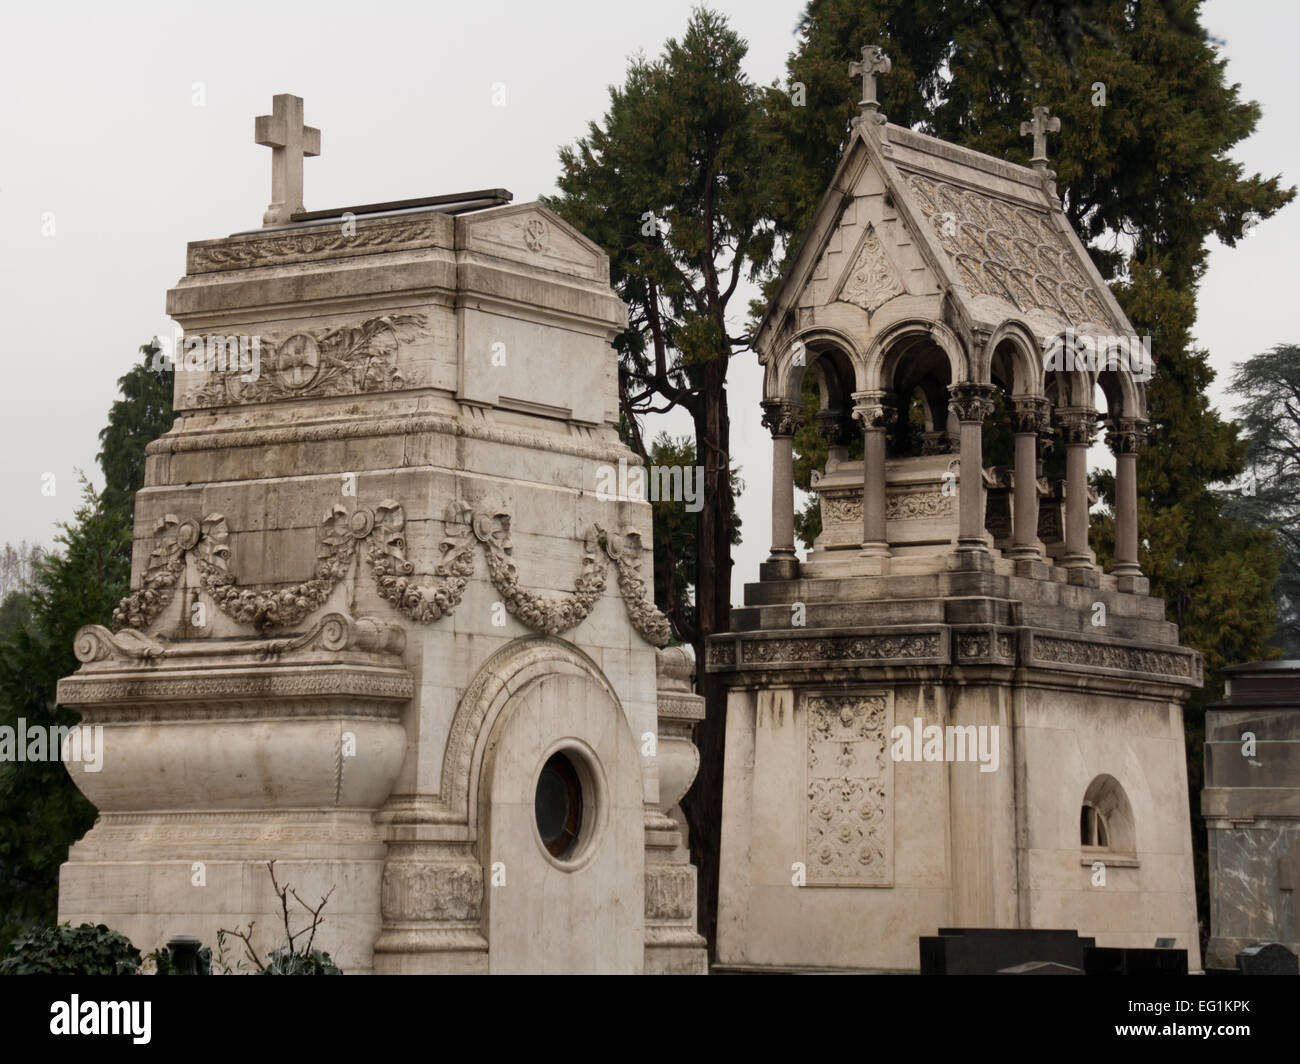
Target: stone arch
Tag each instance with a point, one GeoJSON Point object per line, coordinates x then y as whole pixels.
{"type": "Point", "coordinates": [507, 670]}
{"type": "Point", "coordinates": [1106, 807]}
{"type": "Point", "coordinates": [843, 359]}
{"type": "Point", "coordinates": [1015, 350]}
{"type": "Point", "coordinates": [1065, 382]}
{"type": "Point", "coordinates": [884, 356]}
{"type": "Point", "coordinates": [1125, 397]}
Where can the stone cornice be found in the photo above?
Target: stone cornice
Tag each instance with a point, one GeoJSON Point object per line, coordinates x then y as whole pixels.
{"type": "Point", "coordinates": [326, 241]}
{"type": "Point", "coordinates": [747, 652]}
{"type": "Point", "coordinates": [372, 427]}
{"type": "Point", "coordinates": [335, 683]}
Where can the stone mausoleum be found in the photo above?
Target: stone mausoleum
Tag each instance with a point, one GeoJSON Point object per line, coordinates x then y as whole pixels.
{"type": "Point", "coordinates": [948, 715]}
{"type": "Point", "coordinates": [1251, 805]}
{"type": "Point", "coordinates": [384, 629]}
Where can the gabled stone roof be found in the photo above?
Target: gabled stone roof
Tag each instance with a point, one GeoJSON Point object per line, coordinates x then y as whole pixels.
{"type": "Point", "coordinates": [992, 232]}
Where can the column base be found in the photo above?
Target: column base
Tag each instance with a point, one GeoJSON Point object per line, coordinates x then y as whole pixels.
{"type": "Point", "coordinates": [1032, 568]}
{"type": "Point", "coordinates": [779, 569]}
{"type": "Point", "coordinates": [970, 560]}
{"type": "Point", "coordinates": [874, 558]}
{"type": "Point", "coordinates": [1133, 583]}
{"type": "Point", "coordinates": [1083, 576]}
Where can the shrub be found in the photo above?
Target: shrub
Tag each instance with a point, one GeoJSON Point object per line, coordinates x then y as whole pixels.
{"type": "Point", "coordinates": [67, 950]}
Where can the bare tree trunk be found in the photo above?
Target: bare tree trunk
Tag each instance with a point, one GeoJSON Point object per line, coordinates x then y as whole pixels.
{"type": "Point", "coordinates": [703, 803]}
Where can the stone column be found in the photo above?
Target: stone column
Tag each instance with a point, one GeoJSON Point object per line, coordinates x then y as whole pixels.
{"type": "Point", "coordinates": [782, 417]}
{"type": "Point", "coordinates": [972, 403]}
{"type": "Point", "coordinates": [1078, 425]}
{"type": "Point", "coordinates": [874, 410]}
{"type": "Point", "coordinates": [1125, 437]}
{"type": "Point", "coordinates": [1030, 417]}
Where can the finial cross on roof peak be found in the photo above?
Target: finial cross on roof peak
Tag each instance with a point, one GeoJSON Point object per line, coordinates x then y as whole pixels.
{"type": "Point", "coordinates": [1039, 126]}
{"type": "Point", "coordinates": [289, 140]}
{"type": "Point", "coordinates": [874, 61]}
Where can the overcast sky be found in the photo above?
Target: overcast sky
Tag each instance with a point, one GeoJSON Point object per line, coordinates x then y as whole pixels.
{"type": "Point", "coordinates": [99, 126]}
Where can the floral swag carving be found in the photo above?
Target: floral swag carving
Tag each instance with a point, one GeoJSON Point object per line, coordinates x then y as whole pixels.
{"type": "Point", "coordinates": [382, 530]}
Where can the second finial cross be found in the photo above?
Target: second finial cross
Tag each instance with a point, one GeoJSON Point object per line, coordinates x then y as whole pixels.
{"type": "Point", "coordinates": [1040, 125]}
{"type": "Point", "coordinates": [873, 62]}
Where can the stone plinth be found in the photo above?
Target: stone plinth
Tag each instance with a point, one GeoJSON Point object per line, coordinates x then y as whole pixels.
{"type": "Point", "coordinates": [844, 844]}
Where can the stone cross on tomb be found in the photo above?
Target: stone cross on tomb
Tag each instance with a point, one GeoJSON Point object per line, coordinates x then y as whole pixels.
{"type": "Point", "coordinates": [874, 61]}
{"type": "Point", "coordinates": [289, 140]}
{"type": "Point", "coordinates": [1042, 124]}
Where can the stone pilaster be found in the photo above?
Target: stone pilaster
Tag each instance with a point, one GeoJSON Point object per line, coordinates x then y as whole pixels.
{"type": "Point", "coordinates": [673, 944]}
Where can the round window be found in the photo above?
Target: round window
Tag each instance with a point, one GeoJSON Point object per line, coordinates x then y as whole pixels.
{"type": "Point", "coordinates": [558, 806]}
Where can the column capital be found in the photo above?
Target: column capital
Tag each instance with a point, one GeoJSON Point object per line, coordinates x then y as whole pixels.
{"type": "Point", "coordinates": [782, 417]}
{"type": "Point", "coordinates": [1078, 424]}
{"type": "Point", "coordinates": [836, 427]}
{"type": "Point", "coordinates": [1030, 414]}
{"type": "Point", "coordinates": [971, 401]}
{"type": "Point", "coordinates": [875, 409]}
{"type": "Point", "coordinates": [1127, 435]}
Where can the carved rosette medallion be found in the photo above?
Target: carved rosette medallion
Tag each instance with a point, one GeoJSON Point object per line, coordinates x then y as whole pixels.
{"type": "Point", "coordinates": [849, 790]}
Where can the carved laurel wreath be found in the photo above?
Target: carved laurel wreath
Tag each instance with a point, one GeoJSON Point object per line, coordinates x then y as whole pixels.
{"type": "Point", "coordinates": [383, 532]}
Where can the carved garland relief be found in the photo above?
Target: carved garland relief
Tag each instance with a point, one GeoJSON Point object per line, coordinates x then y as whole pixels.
{"type": "Point", "coordinates": [382, 530]}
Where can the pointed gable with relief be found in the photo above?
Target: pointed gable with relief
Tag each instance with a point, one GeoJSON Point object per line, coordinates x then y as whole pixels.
{"type": "Point", "coordinates": [915, 227]}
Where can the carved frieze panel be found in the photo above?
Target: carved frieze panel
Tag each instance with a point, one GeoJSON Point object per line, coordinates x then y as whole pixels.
{"type": "Point", "coordinates": [432, 890]}
{"type": "Point", "coordinates": [912, 646]}
{"type": "Point", "coordinates": [849, 776]}
{"type": "Point", "coordinates": [1182, 665]}
{"type": "Point", "coordinates": [845, 506]}
{"type": "Point", "coordinates": [346, 360]}
{"type": "Point", "coordinates": [370, 238]}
